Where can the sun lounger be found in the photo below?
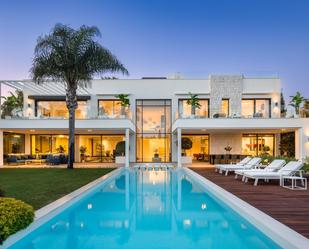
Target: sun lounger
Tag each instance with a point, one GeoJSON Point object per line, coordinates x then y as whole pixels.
{"type": "Point", "coordinates": [289, 169]}
{"type": "Point", "coordinates": [242, 162]}
{"type": "Point", "coordinates": [253, 163]}
{"type": "Point", "coordinates": [272, 167]}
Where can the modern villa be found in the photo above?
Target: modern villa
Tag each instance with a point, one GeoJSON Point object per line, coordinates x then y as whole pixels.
{"type": "Point", "coordinates": [238, 116]}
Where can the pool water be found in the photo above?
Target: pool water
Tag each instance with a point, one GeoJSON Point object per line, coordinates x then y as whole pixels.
{"type": "Point", "coordinates": [140, 209]}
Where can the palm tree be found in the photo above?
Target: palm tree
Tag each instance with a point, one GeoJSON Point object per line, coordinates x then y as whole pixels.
{"type": "Point", "coordinates": [124, 102]}
{"type": "Point", "coordinates": [72, 57]}
{"type": "Point", "coordinates": [296, 100]}
{"type": "Point", "coordinates": [14, 102]}
{"type": "Point", "coordinates": [194, 102]}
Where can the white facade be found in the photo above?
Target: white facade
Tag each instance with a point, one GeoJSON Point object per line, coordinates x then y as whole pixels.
{"type": "Point", "coordinates": [222, 130]}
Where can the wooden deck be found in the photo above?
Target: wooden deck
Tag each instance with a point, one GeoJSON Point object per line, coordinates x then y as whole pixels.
{"type": "Point", "coordinates": [291, 207]}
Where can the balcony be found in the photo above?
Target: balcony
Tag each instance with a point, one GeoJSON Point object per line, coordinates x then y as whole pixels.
{"type": "Point", "coordinates": [250, 122]}
{"type": "Point", "coordinates": [102, 122]}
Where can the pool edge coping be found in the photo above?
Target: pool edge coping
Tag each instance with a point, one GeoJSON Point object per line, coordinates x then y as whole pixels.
{"type": "Point", "coordinates": [43, 212]}
{"type": "Point", "coordinates": [275, 230]}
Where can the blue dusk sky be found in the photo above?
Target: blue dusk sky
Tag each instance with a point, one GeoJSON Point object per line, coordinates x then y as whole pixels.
{"type": "Point", "coordinates": [159, 38]}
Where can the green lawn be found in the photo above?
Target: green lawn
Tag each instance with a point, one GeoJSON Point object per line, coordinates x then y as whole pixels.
{"type": "Point", "coordinates": [38, 187]}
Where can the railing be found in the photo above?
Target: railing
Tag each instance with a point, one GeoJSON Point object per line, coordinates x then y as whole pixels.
{"type": "Point", "coordinates": [179, 115]}
{"type": "Point", "coordinates": [126, 115]}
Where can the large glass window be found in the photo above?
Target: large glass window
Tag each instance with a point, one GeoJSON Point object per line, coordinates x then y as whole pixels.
{"type": "Point", "coordinates": [13, 143]}
{"type": "Point", "coordinates": [185, 108]}
{"type": "Point", "coordinates": [45, 144]}
{"type": "Point", "coordinates": [200, 147]}
{"type": "Point", "coordinates": [259, 108]}
{"type": "Point", "coordinates": [153, 125]}
{"type": "Point", "coordinates": [109, 107]}
{"type": "Point", "coordinates": [98, 148]}
{"type": "Point", "coordinates": [58, 109]}
{"type": "Point", "coordinates": [258, 144]}
{"type": "Point", "coordinates": [225, 107]}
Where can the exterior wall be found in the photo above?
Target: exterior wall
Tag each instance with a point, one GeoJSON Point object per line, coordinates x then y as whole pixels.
{"type": "Point", "coordinates": [228, 87]}
{"type": "Point", "coordinates": [220, 140]}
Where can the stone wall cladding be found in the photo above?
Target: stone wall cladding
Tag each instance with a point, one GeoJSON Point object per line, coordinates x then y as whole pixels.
{"type": "Point", "coordinates": [226, 87]}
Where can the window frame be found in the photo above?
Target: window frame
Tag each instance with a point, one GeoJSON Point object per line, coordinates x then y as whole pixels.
{"type": "Point", "coordinates": [254, 105]}
{"type": "Point", "coordinates": [185, 99]}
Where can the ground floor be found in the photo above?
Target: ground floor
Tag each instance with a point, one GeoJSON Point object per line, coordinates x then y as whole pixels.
{"type": "Point", "coordinates": [185, 146]}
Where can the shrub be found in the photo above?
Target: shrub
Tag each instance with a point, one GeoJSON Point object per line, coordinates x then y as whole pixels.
{"type": "Point", "coordinates": [14, 216]}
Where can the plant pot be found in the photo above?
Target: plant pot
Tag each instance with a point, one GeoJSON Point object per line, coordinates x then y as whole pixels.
{"type": "Point", "coordinates": [186, 159]}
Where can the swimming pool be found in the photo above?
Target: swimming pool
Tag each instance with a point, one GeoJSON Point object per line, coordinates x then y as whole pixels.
{"type": "Point", "coordinates": [141, 209]}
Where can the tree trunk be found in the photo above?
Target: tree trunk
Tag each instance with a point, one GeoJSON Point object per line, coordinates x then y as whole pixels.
{"type": "Point", "coordinates": [71, 100]}
{"type": "Point", "coordinates": [71, 137]}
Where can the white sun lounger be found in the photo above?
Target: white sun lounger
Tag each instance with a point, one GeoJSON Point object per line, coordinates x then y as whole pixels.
{"type": "Point", "coordinates": [241, 163]}
{"type": "Point", "coordinates": [272, 167]}
{"type": "Point", "coordinates": [289, 169]}
{"type": "Point", "coordinates": [253, 163]}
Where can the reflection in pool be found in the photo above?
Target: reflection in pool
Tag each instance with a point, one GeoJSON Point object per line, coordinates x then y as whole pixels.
{"type": "Point", "coordinates": [141, 209]}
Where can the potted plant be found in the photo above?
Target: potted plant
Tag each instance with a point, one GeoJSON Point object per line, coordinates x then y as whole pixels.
{"type": "Point", "coordinates": [60, 149]}
{"type": "Point", "coordinates": [186, 144]}
{"type": "Point", "coordinates": [120, 152]}
{"type": "Point", "coordinates": [193, 101]}
{"type": "Point", "coordinates": [124, 103]}
{"type": "Point", "coordinates": [228, 149]}
{"type": "Point", "coordinates": [295, 102]}
{"type": "Point", "coordinates": [82, 150]}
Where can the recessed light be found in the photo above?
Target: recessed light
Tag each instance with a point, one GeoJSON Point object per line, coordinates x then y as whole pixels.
{"type": "Point", "coordinates": [32, 130]}
{"type": "Point", "coordinates": [89, 130]}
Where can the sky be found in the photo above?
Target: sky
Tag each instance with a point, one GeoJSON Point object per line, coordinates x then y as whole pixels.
{"type": "Point", "coordinates": [161, 37]}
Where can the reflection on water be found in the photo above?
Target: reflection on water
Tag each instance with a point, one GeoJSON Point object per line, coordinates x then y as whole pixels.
{"type": "Point", "coordinates": [147, 209]}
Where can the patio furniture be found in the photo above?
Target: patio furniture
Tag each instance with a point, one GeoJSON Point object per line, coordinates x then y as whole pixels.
{"type": "Point", "coordinates": [241, 163]}
{"type": "Point", "coordinates": [293, 180]}
{"type": "Point", "coordinates": [290, 169]}
{"type": "Point", "coordinates": [254, 162]}
{"type": "Point", "coordinates": [273, 166]}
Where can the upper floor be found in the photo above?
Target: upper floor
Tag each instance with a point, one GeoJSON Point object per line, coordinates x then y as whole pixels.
{"type": "Point", "coordinates": [220, 96]}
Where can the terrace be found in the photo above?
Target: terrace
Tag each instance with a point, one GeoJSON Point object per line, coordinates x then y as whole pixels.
{"type": "Point", "coordinates": [287, 206]}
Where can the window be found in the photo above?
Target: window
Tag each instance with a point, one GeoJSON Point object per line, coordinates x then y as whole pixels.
{"type": "Point", "coordinates": [153, 126]}
{"type": "Point", "coordinates": [101, 148]}
{"type": "Point", "coordinates": [109, 107]}
{"type": "Point", "coordinates": [45, 144]}
{"type": "Point", "coordinates": [13, 143]}
{"type": "Point", "coordinates": [225, 107]}
{"type": "Point", "coordinates": [258, 144]}
{"type": "Point", "coordinates": [185, 109]}
{"type": "Point", "coordinates": [256, 108]}
{"type": "Point", "coordinates": [58, 109]}
{"type": "Point", "coordinates": [200, 147]}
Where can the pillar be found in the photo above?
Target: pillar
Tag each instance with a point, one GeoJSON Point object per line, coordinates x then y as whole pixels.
{"type": "Point", "coordinates": [299, 143]}
{"type": "Point", "coordinates": [127, 150]}
{"type": "Point", "coordinates": [27, 144]}
{"type": "Point", "coordinates": [179, 147]}
{"type": "Point", "coordinates": [1, 148]}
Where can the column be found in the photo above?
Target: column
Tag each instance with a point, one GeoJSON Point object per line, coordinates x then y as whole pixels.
{"type": "Point", "coordinates": [1, 148]}
{"type": "Point", "coordinates": [127, 151]}
{"type": "Point", "coordinates": [299, 143]}
{"type": "Point", "coordinates": [179, 147]}
{"type": "Point", "coordinates": [27, 144]}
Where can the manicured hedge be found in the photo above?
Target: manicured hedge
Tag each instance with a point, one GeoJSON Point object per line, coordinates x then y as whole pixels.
{"type": "Point", "coordinates": [14, 216]}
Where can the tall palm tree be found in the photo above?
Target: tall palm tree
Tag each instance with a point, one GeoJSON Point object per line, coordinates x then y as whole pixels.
{"type": "Point", "coordinates": [72, 57]}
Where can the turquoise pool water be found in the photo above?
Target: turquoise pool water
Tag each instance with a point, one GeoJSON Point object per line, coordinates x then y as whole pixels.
{"type": "Point", "coordinates": [147, 210]}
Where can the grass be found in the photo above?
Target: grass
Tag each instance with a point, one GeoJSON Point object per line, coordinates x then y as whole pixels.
{"type": "Point", "coordinates": [39, 187]}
